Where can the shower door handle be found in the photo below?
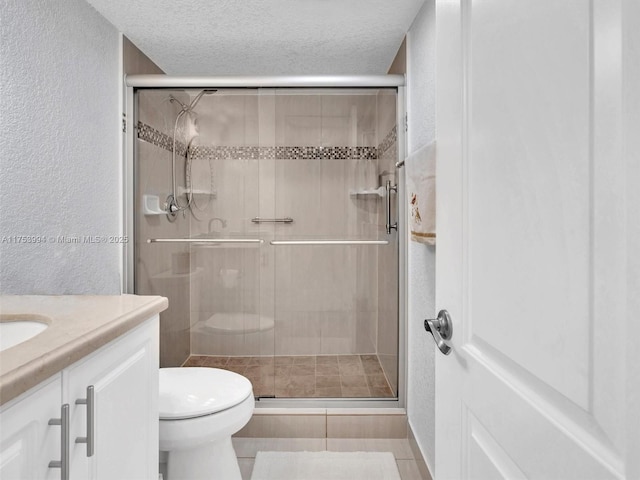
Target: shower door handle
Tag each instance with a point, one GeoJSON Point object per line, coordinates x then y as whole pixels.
{"type": "Point", "coordinates": [390, 188]}
{"type": "Point", "coordinates": [442, 329]}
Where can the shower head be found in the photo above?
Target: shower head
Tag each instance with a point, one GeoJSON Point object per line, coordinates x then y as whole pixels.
{"type": "Point", "coordinates": [194, 102]}
{"type": "Point", "coordinates": [206, 91]}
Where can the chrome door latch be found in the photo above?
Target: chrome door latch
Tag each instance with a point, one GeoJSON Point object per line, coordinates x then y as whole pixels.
{"type": "Point", "coordinates": [442, 329]}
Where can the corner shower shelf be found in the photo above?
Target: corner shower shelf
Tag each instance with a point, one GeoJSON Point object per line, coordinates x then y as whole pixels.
{"type": "Point", "coordinates": [200, 192]}
{"type": "Point", "coordinates": [380, 192]}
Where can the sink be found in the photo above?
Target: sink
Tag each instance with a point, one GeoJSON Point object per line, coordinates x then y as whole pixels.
{"type": "Point", "coordinates": [15, 329]}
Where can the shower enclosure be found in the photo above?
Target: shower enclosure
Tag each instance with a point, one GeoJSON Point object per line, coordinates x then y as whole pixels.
{"type": "Point", "coordinates": [269, 218]}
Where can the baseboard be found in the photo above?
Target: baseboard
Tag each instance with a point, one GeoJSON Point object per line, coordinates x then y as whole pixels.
{"type": "Point", "coordinates": [417, 454]}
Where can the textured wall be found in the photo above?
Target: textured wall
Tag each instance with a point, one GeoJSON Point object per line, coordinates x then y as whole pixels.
{"type": "Point", "coordinates": [59, 149]}
{"type": "Point", "coordinates": [421, 111]}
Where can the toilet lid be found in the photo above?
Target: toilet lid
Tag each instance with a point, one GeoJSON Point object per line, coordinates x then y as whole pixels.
{"type": "Point", "coordinates": [189, 392]}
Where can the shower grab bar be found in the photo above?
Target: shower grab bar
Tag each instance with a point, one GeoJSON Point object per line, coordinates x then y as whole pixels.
{"type": "Point", "coordinates": [205, 240]}
{"type": "Point", "coordinates": [272, 220]}
{"type": "Point", "coordinates": [329, 242]}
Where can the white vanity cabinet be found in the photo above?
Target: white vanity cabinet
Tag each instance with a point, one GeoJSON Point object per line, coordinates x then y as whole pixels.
{"type": "Point", "coordinates": [113, 431]}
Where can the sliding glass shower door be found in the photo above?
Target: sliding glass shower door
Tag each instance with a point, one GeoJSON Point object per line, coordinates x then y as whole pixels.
{"type": "Point", "coordinates": [206, 256]}
{"type": "Point", "coordinates": [281, 262]}
{"type": "Point", "coordinates": [233, 322]}
{"type": "Point", "coordinates": [329, 261]}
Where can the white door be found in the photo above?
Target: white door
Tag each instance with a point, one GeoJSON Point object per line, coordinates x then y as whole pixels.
{"type": "Point", "coordinates": [536, 239]}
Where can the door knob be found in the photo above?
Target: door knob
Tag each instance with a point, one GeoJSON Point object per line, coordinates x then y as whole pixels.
{"type": "Point", "coordinates": [441, 329]}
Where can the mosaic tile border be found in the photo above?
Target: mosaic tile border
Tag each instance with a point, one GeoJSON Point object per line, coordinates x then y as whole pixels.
{"type": "Point", "coordinates": [199, 152]}
{"type": "Point", "coordinates": [388, 141]}
{"type": "Point", "coordinates": [159, 139]}
{"type": "Point", "coordinates": [285, 153]}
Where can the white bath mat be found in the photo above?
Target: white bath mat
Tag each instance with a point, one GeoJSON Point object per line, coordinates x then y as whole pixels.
{"type": "Point", "coordinates": [325, 466]}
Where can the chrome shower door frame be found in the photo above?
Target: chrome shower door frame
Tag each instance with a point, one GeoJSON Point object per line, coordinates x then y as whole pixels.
{"type": "Point", "coordinates": [133, 82]}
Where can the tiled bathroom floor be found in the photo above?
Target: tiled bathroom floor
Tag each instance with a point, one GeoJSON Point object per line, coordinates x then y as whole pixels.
{"type": "Point", "coordinates": [332, 376]}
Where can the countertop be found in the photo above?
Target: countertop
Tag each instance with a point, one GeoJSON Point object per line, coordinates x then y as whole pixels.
{"type": "Point", "coordinates": [78, 325]}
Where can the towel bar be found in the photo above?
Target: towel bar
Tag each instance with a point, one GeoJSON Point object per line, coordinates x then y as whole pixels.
{"type": "Point", "coordinates": [205, 240]}
{"type": "Point", "coordinates": [329, 242]}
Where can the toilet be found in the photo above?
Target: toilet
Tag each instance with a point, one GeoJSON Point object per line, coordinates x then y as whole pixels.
{"type": "Point", "coordinates": [200, 409]}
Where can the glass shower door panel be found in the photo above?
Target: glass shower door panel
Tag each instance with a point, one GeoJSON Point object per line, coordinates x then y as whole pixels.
{"type": "Point", "coordinates": [162, 268]}
{"type": "Point", "coordinates": [331, 301]}
{"type": "Point", "coordinates": [231, 321]}
{"type": "Point", "coordinates": [388, 258]}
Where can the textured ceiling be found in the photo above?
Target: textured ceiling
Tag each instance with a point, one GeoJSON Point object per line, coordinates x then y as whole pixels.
{"type": "Point", "coordinates": [264, 37]}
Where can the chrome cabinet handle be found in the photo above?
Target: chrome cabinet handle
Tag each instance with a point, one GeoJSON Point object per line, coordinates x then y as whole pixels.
{"type": "Point", "coordinates": [442, 329]}
{"type": "Point", "coordinates": [63, 463]}
{"type": "Point", "coordinates": [390, 188]}
{"type": "Point", "coordinates": [90, 438]}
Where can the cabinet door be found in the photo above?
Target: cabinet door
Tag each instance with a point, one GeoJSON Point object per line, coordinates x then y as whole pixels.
{"type": "Point", "coordinates": [27, 442]}
{"type": "Point", "coordinates": [124, 375]}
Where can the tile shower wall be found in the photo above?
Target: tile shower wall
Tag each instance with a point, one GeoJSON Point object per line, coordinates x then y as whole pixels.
{"type": "Point", "coordinates": [275, 155]}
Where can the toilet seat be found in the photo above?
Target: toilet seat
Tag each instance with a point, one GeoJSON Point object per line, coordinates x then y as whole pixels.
{"type": "Point", "coordinates": [190, 392]}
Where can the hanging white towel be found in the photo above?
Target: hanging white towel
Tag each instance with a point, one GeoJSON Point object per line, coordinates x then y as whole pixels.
{"type": "Point", "coordinates": [421, 190]}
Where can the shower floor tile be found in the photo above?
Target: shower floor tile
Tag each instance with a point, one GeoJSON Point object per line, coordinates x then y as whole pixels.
{"type": "Point", "coordinates": [329, 376]}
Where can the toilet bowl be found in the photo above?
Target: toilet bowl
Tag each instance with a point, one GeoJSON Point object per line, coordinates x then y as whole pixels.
{"type": "Point", "coordinates": [200, 408]}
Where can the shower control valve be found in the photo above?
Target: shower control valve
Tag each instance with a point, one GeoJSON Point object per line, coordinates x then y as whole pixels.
{"type": "Point", "coordinates": [170, 206]}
